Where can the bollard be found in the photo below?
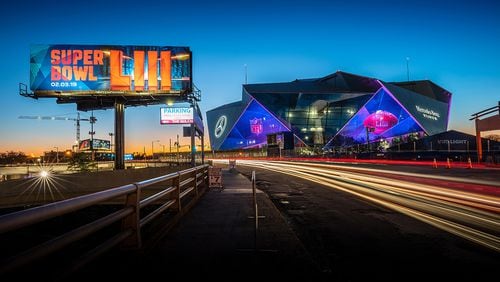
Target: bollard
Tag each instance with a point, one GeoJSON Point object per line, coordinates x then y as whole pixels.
{"type": "Point", "coordinates": [434, 164]}
{"type": "Point", "coordinates": [448, 165]}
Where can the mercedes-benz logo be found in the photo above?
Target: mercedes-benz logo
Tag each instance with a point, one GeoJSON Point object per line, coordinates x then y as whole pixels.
{"type": "Point", "coordinates": [220, 126]}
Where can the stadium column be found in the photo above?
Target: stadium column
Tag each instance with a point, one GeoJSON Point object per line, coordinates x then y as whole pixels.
{"type": "Point", "coordinates": [119, 135]}
{"type": "Point", "coordinates": [479, 142]}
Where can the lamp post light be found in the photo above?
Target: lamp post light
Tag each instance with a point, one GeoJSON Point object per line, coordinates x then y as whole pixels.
{"type": "Point", "coordinates": [408, 68]}
{"type": "Point", "coordinates": [111, 141]}
{"type": "Point", "coordinates": [152, 150]}
{"type": "Point", "coordinates": [177, 148]}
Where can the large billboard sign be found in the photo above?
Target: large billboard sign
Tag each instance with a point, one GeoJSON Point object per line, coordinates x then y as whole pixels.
{"type": "Point", "coordinates": [77, 70]}
{"type": "Point", "coordinates": [176, 115]}
{"type": "Point", "coordinates": [96, 144]}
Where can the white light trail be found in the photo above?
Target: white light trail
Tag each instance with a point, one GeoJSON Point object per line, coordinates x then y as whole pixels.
{"type": "Point", "coordinates": [470, 215]}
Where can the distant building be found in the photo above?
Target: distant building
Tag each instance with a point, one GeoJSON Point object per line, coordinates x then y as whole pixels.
{"type": "Point", "coordinates": [340, 109]}
{"type": "Point", "coordinates": [451, 140]}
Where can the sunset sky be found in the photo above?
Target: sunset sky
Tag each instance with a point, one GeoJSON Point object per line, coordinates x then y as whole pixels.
{"type": "Point", "coordinates": [453, 43]}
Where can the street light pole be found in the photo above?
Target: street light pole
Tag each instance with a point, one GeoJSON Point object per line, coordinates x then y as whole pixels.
{"type": "Point", "coordinates": [91, 133]}
{"type": "Point", "coordinates": [408, 68]}
{"type": "Point", "coordinates": [111, 141]}
{"type": "Point", "coordinates": [246, 74]}
{"type": "Point", "coordinates": [152, 151]}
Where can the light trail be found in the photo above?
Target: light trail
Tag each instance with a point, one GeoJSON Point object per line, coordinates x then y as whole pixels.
{"type": "Point", "coordinates": [472, 216]}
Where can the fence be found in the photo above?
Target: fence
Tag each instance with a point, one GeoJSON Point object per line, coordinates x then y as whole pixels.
{"type": "Point", "coordinates": [178, 185]}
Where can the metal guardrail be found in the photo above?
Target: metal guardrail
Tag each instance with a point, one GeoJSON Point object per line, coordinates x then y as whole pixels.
{"type": "Point", "coordinates": [130, 215]}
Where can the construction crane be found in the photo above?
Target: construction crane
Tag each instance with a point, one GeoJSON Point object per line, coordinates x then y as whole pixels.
{"type": "Point", "coordinates": [92, 120]}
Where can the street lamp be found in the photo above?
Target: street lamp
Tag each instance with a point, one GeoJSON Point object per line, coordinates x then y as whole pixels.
{"type": "Point", "coordinates": [111, 141]}
{"type": "Point", "coordinates": [152, 151]}
{"type": "Point", "coordinates": [408, 68]}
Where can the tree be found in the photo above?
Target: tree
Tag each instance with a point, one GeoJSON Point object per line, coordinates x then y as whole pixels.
{"type": "Point", "coordinates": [13, 157]}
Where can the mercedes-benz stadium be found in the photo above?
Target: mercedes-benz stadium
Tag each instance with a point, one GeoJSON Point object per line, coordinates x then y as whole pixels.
{"type": "Point", "coordinates": [340, 109]}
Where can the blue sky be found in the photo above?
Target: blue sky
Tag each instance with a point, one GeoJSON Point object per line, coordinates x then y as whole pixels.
{"type": "Point", "coordinates": [453, 43]}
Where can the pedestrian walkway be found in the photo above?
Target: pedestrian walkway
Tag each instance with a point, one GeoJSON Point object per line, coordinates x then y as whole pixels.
{"type": "Point", "coordinates": [215, 240]}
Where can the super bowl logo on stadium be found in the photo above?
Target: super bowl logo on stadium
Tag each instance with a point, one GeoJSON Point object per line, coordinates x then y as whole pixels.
{"type": "Point", "coordinates": [380, 121]}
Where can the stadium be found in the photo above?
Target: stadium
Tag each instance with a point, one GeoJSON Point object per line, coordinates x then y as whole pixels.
{"type": "Point", "coordinates": [336, 111]}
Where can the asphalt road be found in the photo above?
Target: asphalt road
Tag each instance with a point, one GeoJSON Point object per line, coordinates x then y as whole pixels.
{"type": "Point", "coordinates": [353, 239]}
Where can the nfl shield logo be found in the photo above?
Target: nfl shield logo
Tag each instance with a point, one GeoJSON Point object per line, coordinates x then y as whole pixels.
{"type": "Point", "coordinates": [256, 126]}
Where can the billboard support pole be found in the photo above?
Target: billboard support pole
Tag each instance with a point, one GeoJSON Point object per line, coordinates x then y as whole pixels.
{"type": "Point", "coordinates": [119, 135]}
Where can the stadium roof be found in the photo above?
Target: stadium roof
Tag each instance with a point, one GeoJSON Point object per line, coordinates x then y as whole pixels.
{"type": "Point", "coordinates": [343, 82]}
{"type": "Point", "coordinates": [426, 88]}
{"type": "Point", "coordinates": [334, 83]}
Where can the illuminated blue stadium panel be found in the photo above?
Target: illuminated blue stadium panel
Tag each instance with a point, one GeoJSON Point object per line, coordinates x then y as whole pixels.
{"type": "Point", "coordinates": [252, 128]}
{"type": "Point", "coordinates": [384, 117]}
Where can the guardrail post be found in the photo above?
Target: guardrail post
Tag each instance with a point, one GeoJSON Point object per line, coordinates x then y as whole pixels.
{"type": "Point", "coordinates": [205, 175]}
{"type": "Point", "coordinates": [196, 182]}
{"type": "Point", "coordinates": [133, 220]}
{"type": "Point", "coordinates": [177, 193]}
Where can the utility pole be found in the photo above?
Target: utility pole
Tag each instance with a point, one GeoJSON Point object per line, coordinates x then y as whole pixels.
{"type": "Point", "coordinates": [152, 152]}
{"type": "Point", "coordinates": [111, 144]}
{"type": "Point", "coordinates": [246, 77]}
{"type": "Point", "coordinates": [170, 149]}
{"type": "Point", "coordinates": [408, 68]}
{"type": "Point", "coordinates": [177, 148]}
{"type": "Point", "coordinates": [78, 129]}
{"type": "Point", "coordinates": [92, 132]}
{"type": "Point", "coordinates": [111, 141]}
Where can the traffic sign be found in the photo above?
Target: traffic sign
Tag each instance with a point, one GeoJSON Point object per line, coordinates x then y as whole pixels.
{"type": "Point", "coordinates": [215, 177]}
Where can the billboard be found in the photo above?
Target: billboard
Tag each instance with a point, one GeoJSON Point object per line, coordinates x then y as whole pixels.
{"type": "Point", "coordinates": [84, 145]}
{"type": "Point", "coordinates": [109, 69]}
{"type": "Point", "coordinates": [176, 115]}
{"type": "Point", "coordinates": [96, 144]}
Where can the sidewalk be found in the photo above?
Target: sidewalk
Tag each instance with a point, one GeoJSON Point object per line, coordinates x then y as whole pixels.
{"type": "Point", "coordinates": [215, 240]}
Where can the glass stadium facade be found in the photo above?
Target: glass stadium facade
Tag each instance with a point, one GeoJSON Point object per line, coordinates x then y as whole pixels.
{"type": "Point", "coordinates": [341, 109]}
